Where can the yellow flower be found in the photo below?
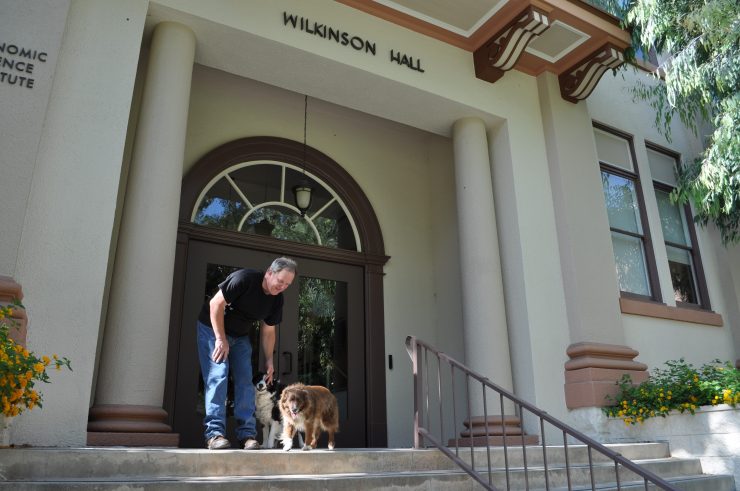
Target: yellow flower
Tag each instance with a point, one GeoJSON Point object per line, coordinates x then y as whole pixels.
{"type": "Point", "coordinates": [46, 360]}
{"type": "Point", "coordinates": [39, 367]}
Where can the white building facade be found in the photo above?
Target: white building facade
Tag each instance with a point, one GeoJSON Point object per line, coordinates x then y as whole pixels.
{"type": "Point", "coordinates": [519, 225]}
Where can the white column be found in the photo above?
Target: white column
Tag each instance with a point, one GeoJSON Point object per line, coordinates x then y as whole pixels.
{"type": "Point", "coordinates": [134, 354]}
{"type": "Point", "coordinates": [484, 315]}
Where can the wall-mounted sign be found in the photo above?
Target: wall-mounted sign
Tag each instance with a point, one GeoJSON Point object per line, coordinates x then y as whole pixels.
{"type": "Point", "coordinates": [17, 64]}
{"type": "Point", "coordinates": [344, 38]}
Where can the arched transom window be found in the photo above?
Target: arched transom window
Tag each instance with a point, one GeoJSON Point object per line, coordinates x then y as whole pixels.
{"type": "Point", "coordinates": [256, 198]}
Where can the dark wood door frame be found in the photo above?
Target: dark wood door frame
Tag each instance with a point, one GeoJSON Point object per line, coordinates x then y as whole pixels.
{"type": "Point", "coordinates": [371, 258]}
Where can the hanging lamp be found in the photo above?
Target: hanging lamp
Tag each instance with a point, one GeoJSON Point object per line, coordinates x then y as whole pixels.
{"type": "Point", "coordinates": [302, 192]}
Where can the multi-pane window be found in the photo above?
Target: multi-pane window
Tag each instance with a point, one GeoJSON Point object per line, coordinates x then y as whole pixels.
{"type": "Point", "coordinates": [255, 198]}
{"type": "Point", "coordinates": [684, 262]}
{"type": "Point", "coordinates": [633, 255]}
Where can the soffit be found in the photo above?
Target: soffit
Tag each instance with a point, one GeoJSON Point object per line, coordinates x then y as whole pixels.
{"type": "Point", "coordinates": [569, 38]}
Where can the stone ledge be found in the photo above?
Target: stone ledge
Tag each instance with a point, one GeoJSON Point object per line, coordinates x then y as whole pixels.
{"type": "Point", "coordinates": [712, 434]}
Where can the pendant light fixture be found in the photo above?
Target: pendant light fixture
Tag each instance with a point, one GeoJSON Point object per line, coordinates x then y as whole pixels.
{"type": "Point", "coordinates": [302, 191]}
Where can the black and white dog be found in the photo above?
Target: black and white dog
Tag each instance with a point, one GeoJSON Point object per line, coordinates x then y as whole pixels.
{"type": "Point", "coordinates": [267, 411]}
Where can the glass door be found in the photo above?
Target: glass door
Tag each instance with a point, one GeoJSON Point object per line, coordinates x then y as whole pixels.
{"type": "Point", "coordinates": [320, 341]}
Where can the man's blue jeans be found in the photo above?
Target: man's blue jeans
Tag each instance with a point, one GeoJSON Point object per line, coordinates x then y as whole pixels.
{"type": "Point", "coordinates": [216, 379]}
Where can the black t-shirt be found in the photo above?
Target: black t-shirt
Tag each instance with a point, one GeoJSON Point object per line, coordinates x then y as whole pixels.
{"type": "Point", "coordinates": [246, 302]}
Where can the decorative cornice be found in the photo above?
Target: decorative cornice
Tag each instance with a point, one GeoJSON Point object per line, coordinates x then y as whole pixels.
{"type": "Point", "coordinates": [579, 81]}
{"type": "Point", "coordinates": [502, 51]}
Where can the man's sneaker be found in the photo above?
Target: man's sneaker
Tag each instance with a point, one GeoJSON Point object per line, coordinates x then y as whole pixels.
{"type": "Point", "coordinates": [251, 444]}
{"type": "Point", "coordinates": [218, 442]}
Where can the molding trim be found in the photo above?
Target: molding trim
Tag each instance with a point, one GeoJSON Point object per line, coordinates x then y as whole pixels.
{"type": "Point", "coordinates": [662, 311]}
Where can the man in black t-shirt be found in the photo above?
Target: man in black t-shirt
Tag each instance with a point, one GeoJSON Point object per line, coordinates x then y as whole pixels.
{"type": "Point", "coordinates": [245, 296]}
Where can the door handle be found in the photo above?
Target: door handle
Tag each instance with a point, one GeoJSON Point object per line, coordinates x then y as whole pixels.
{"type": "Point", "coordinates": [289, 358]}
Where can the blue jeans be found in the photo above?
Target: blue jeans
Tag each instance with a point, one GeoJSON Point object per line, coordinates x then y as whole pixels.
{"type": "Point", "coordinates": [216, 379]}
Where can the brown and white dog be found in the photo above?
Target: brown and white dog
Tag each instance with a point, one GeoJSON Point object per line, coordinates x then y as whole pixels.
{"type": "Point", "coordinates": [311, 409]}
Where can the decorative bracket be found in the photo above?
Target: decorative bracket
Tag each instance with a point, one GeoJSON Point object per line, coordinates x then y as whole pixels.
{"type": "Point", "coordinates": [579, 81]}
{"type": "Point", "coordinates": [503, 50]}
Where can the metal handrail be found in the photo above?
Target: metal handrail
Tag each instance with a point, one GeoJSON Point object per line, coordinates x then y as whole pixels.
{"type": "Point", "coordinates": [419, 351]}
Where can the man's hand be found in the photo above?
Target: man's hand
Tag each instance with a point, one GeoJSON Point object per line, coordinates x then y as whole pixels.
{"type": "Point", "coordinates": [269, 371]}
{"type": "Point", "coordinates": [268, 346]}
{"type": "Point", "coordinates": [221, 347]}
{"type": "Point", "coordinates": [220, 351]}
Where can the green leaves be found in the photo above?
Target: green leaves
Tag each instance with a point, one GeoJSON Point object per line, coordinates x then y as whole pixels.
{"type": "Point", "coordinates": [678, 387]}
{"type": "Point", "coordinates": [699, 43]}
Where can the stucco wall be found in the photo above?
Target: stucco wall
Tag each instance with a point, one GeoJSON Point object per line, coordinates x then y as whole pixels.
{"type": "Point", "coordinates": [64, 248]}
{"type": "Point", "coordinates": [30, 35]}
{"type": "Point", "coordinates": [660, 340]}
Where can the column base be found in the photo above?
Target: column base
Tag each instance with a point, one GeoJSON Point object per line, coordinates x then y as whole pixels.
{"type": "Point", "coordinates": [9, 291]}
{"type": "Point", "coordinates": [592, 373]}
{"type": "Point", "coordinates": [129, 426]}
{"type": "Point", "coordinates": [494, 433]}
{"type": "Point", "coordinates": [104, 439]}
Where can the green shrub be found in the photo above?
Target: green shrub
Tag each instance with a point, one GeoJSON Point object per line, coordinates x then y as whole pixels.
{"type": "Point", "coordinates": [679, 387]}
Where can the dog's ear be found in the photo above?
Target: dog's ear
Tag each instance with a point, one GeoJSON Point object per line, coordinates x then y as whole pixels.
{"type": "Point", "coordinates": [284, 397]}
{"type": "Point", "coordinates": [257, 377]}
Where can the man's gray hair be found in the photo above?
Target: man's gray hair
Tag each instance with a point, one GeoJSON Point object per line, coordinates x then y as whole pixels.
{"type": "Point", "coordinates": [282, 263]}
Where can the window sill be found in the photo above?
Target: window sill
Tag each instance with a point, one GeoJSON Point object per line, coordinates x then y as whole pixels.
{"type": "Point", "coordinates": [662, 311]}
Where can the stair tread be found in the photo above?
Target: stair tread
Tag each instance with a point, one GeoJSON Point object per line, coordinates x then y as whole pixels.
{"type": "Point", "coordinates": [289, 477]}
{"type": "Point", "coordinates": [167, 468]}
{"type": "Point", "coordinates": [639, 484]}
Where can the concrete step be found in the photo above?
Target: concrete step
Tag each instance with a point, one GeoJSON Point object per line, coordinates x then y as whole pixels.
{"type": "Point", "coordinates": [580, 474]}
{"type": "Point", "coordinates": [430, 480]}
{"type": "Point", "coordinates": [115, 462]}
{"type": "Point", "coordinates": [167, 469]}
{"type": "Point", "coordinates": [702, 482]}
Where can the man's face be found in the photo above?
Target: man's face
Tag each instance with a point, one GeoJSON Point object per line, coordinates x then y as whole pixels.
{"type": "Point", "coordinates": [277, 282]}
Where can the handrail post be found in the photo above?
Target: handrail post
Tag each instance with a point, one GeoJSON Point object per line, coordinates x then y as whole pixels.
{"type": "Point", "coordinates": [413, 349]}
